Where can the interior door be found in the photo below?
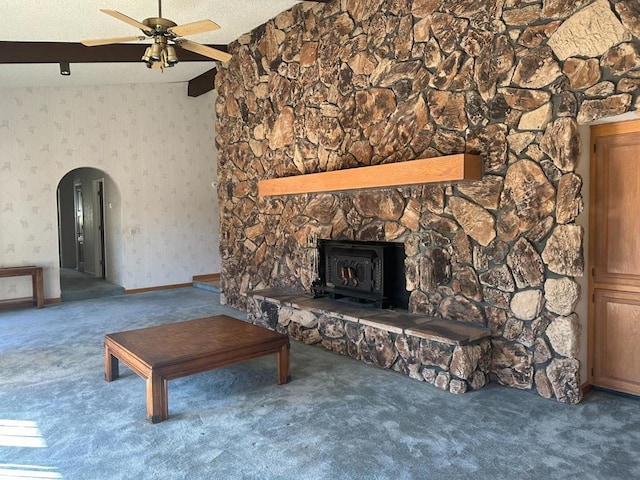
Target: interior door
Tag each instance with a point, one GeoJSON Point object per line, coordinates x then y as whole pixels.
{"type": "Point", "coordinates": [79, 209]}
{"type": "Point", "coordinates": [614, 336]}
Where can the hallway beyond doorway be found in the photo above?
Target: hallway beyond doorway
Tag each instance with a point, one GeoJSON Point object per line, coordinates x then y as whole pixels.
{"type": "Point", "coordinates": [81, 286]}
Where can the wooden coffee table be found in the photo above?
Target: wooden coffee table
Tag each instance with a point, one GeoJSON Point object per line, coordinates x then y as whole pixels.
{"type": "Point", "coordinates": [162, 353]}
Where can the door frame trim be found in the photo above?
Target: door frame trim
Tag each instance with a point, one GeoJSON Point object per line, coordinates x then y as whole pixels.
{"type": "Point", "coordinates": [596, 131]}
{"type": "Point", "coordinates": [100, 247]}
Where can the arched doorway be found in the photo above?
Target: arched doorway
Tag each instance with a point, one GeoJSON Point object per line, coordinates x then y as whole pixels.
{"type": "Point", "coordinates": [83, 236]}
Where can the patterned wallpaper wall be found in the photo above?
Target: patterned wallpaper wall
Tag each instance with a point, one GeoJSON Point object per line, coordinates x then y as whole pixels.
{"type": "Point", "coordinates": [156, 146]}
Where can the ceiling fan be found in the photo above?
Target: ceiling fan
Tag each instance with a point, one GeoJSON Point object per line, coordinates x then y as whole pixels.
{"type": "Point", "coordinates": [161, 53]}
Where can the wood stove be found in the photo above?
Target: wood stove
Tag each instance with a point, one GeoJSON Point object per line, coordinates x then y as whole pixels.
{"type": "Point", "coordinates": [365, 272]}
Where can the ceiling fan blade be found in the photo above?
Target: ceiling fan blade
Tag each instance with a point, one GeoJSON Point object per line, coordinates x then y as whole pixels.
{"type": "Point", "coordinates": [193, 28]}
{"type": "Point", "coordinates": [129, 20]}
{"type": "Point", "coordinates": [204, 50]}
{"type": "Point", "coordinates": [108, 41]}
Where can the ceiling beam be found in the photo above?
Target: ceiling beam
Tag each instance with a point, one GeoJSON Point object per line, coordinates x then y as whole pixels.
{"type": "Point", "coordinates": [56, 52]}
{"type": "Point", "coordinates": [201, 84]}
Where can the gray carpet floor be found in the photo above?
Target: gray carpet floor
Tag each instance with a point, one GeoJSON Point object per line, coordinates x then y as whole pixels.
{"type": "Point", "coordinates": [337, 418]}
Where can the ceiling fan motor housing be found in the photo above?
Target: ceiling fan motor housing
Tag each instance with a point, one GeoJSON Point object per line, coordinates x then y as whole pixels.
{"type": "Point", "coordinates": [159, 26]}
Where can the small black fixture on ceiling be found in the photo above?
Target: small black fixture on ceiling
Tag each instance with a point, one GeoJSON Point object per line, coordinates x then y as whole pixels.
{"type": "Point", "coordinates": [64, 68]}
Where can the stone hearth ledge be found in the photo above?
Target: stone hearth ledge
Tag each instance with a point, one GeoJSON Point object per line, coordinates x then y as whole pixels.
{"type": "Point", "coordinates": [452, 355]}
{"type": "Point", "coordinates": [440, 330]}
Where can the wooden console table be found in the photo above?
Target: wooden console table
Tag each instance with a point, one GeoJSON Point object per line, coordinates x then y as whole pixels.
{"type": "Point", "coordinates": [36, 276]}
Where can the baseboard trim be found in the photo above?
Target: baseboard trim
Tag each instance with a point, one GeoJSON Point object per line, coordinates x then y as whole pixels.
{"type": "Point", "coordinates": [161, 287]}
{"type": "Point", "coordinates": [209, 277]}
{"type": "Point", "coordinates": [586, 388]}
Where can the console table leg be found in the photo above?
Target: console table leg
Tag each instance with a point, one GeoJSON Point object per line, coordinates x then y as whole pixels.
{"type": "Point", "coordinates": [283, 364]}
{"type": "Point", "coordinates": [38, 288]}
{"type": "Point", "coordinates": [157, 399]}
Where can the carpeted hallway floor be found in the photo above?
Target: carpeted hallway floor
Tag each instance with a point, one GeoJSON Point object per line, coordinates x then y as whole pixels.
{"type": "Point", "coordinates": [336, 419]}
{"type": "Point", "coordinates": [82, 286]}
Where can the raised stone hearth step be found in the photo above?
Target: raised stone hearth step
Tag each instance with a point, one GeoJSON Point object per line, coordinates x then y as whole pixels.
{"type": "Point", "coordinates": [441, 330]}
{"type": "Point", "coordinates": [452, 355]}
{"type": "Point", "coordinates": [449, 331]}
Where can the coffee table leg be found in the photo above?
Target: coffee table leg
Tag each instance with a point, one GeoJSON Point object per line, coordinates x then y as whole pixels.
{"type": "Point", "coordinates": [111, 371]}
{"type": "Point", "coordinates": [283, 364]}
{"type": "Point", "coordinates": [157, 399]}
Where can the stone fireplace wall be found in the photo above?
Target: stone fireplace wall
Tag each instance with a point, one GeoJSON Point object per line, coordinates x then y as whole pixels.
{"type": "Point", "coordinates": [362, 82]}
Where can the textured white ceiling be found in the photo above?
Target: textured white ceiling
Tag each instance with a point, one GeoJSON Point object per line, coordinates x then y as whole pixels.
{"type": "Point", "coordinates": [76, 20]}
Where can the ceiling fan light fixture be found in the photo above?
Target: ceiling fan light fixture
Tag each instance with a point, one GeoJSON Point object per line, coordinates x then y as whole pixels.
{"type": "Point", "coordinates": [172, 58]}
{"type": "Point", "coordinates": [147, 55]}
{"type": "Point", "coordinates": [156, 52]}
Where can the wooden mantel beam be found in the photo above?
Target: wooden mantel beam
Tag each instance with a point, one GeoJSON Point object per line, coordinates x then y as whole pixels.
{"type": "Point", "coordinates": [450, 168]}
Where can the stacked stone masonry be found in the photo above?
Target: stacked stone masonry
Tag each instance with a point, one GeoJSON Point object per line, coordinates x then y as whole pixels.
{"type": "Point", "coordinates": [453, 356]}
{"type": "Point", "coordinates": [327, 86]}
